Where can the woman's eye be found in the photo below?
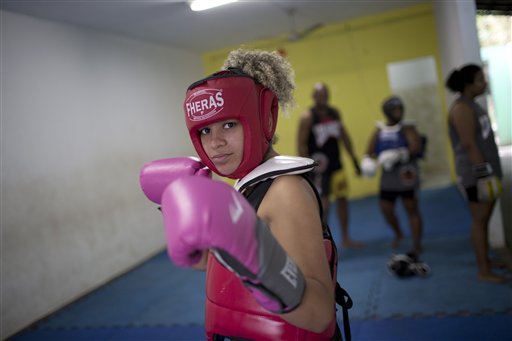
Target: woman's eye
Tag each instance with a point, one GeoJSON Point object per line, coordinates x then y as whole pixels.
{"type": "Point", "coordinates": [229, 124]}
{"type": "Point", "coordinates": [204, 131]}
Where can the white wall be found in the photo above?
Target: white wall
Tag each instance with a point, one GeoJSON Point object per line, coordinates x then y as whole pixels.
{"type": "Point", "coordinates": [81, 113]}
{"type": "Point", "coordinates": [457, 35]}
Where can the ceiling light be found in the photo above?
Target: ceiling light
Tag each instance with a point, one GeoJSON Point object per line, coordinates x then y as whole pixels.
{"type": "Point", "coordinates": [201, 5]}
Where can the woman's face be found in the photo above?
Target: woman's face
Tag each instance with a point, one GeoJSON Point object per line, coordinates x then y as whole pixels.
{"type": "Point", "coordinates": [397, 113]}
{"type": "Point", "coordinates": [223, 143]}
{"type": "Point", "coordinates": [479, 84]}
{"type": "Point", "coordinates": [321, 95]}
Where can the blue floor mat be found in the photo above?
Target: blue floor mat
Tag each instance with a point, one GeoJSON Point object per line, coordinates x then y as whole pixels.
{"type": "Point", "coordinates": [451, 328]}
{"type": "Point", "coordinates": [467, 328]}
{"type": "Point", "coordinates": [176, 333]}
{"type": "Point", "coordinates": [451, 289]}
{"type": "Point", "coordinates": [156, 293]}
{"type": "Point", "coordinates": [443, 210]}
{"type": "Point", "coordinates": [159, 301]}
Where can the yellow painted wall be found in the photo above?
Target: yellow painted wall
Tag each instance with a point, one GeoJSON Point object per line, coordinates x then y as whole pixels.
{"type": "Point", "coordinates": [351, 58]}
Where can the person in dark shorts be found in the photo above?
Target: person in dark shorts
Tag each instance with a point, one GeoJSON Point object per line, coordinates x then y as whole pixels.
{"type": "Point", "coordinates": [320, 137]}
{"type": "Point", "coordinates": [396, 146]}
{"type": "Point", "coordinates": [477, 162]}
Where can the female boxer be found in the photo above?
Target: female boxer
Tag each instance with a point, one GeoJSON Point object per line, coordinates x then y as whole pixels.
{"type": "Point", "coordinates": [397, 146]}
{"type": "Point", "coordinates": [270, 262]}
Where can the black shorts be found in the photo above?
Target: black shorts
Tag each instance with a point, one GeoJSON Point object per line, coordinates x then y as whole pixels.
{"type": "Point", "coordinates": [392, 195]}
{"type": "Point", "coordinates": [471, 193]}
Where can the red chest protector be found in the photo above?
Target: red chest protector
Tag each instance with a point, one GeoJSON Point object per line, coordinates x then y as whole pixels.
{"type": "Point", "coordinates": [231, 311]}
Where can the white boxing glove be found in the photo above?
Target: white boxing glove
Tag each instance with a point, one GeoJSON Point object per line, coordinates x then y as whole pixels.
{"type": "Point", "coordinates": [389, 158]}
{"type": "Point", "coordinates": [368, 166]}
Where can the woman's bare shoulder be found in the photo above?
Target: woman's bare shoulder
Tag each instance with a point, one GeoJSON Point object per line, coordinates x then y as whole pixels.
{"type": "Point", "coordinates": [290, 195]}
{"type": "Point", "coordinates": [286, 185]}
{"type": "Point", "coordinates": [460, 107]}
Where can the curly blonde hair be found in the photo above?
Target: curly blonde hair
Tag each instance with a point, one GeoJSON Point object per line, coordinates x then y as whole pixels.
{"type": "Point", "coordinates": [268, 68]}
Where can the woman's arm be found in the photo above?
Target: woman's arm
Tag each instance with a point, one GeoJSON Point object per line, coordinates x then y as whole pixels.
{"type": "Point", "coordinates": [413, 140]}
{"type": "Point", "coordinates": [371, 149]}
{"type": "Point", "coordinates": [201, 265]}
{"type": "Point", "coordinates": [347, 142]}
{"type": "Point", "coordinates": [296, 224]}
{"type": "Point", "coordinates": [303, 134]}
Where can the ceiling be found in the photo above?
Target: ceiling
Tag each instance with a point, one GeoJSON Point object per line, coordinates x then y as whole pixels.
{"type": "Point", "coordinates": [173, 23]}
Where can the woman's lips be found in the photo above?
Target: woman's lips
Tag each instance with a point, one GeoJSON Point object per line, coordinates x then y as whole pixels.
{"type": "Point", "coordinates": [220, 159]}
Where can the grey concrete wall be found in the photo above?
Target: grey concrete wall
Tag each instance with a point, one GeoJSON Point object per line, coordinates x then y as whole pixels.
{"type": "Point", "coordinates": [81, 112]}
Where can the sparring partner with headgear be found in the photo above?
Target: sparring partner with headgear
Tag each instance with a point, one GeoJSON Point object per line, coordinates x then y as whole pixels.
{"type": "Point", "coordinates": [270, 261]}
{"type": "Point", "coordinates": [477, 161]}
{"type": "Point", "coordinates": [396, 145]}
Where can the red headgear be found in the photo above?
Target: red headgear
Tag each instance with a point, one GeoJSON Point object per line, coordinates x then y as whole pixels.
{"type": "Point", "coordinates": [232, 94]}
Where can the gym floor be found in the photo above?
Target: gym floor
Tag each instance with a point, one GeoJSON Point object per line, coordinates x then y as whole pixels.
{"type": "Point", "coordinates": [158, 301]}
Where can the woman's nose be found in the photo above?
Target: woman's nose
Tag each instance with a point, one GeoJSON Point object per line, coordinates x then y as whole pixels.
{"type": "Point", "coordinates": [217, 138]}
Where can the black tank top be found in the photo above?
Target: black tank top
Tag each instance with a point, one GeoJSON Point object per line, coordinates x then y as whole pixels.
{"type": "Point", "coordinates": [485, 141]}
{"type": "Point", "coordinates": [323, 138]}
{"type": "Point", "coordinates": [255, 195]}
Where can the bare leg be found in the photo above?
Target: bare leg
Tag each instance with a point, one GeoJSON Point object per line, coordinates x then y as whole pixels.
{"type": "Point", "coordinates": [388, 211]}
{"type": "Point", "coordinates": [342, 208]}
{"type": "Point", "coordinates": [416, 223]}
{"type": "Point", "coordinates": [481, 214]}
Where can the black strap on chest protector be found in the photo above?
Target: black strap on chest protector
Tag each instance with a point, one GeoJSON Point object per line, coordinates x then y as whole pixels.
{"type": "Point", "coordinates": [255, 195]}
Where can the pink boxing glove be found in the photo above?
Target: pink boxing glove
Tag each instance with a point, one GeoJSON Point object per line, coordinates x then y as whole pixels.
{"type": "Point", "coordinates": [156, 175]}
{"type": "Point", "coordinates": [201, 214]}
